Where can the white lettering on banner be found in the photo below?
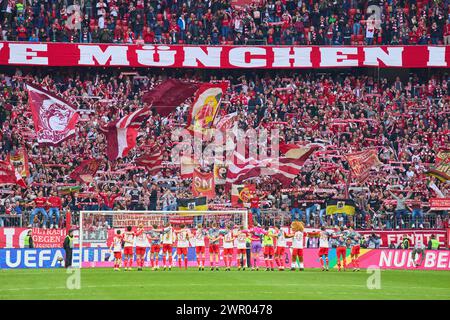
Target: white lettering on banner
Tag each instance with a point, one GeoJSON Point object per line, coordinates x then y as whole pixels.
{"type": "Point", "coordinates": [237, 57]}
{"type": "Point", "coordinates": [399, 259]}
{"type": "Point", "coordinates": [20, 53]}
{"type": "Point", "coordinates": [436, 57]}
{"type": "Point", "coordinates": [116, 55]}
{"type": "Point", "coordinates": [44, 255]}
{"type": "Point", "coordinates": [338, 57]}
{"type": "Point", "coordinates": [385, 258]}
{"type": "Point", "coordinates": [8, 259]}
{"type": "Point", "coordinates": [443, 260]}
{"type": "Point", "coordinates": [156, 56]}
{"type": "Point", "coordinates": [29, 258]}
{"type": "Point", "coordinates": [9, 236]}
{"type": "Point", "coordinates": [430, 260]}
{"type": "Point", "coordinates": [194, 55]}
{"type": "Point", "coordinates": [391, 58]}
{"type": "Point", "coordinates": [282, 57]}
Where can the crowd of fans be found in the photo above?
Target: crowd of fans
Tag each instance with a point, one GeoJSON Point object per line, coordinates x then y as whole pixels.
{"type": "Point", "coordinates": [272, 22]}
{"type": "Point", "coordinates": [406, 120]}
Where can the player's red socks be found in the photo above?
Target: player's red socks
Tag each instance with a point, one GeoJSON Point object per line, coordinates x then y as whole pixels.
{"type": "Point", "coordinates": [179, 263]}
{"type": "Point", "coordinates": [277, 261]}
{"type": "Point", "coordinates": [185, 263]}
{"type": "Point", "coordinates": [266, 262]}
{"type": "Point", "coordinates": [271, 263]}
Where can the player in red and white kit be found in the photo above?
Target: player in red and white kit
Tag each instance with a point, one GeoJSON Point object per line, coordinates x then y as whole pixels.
{"type": "Point", "coordinates": [155, 237]}
{"type": "Point", "coordinates": [241, 245]}
{"type": "Point", "coordinates": [297, 236]}
{"type": "Point", "coordinates": [128, 238]}
{"type": "Point", "coordinates": [116, 248]}
{"type": "Point", "coordinates": [141, 242]}
{"type": "Point", "coordinates": [280, 250]}
{"type": "Point", "coordinates": [228, 246]}
{"type": "Point", "coordinates": [199, 238]}
{"type": "Point", "coordinates": [183, 236]}
{"type": "Point", "coordinates": [324, 245]}
{"type": "Point", "coordinates": [167, 241]}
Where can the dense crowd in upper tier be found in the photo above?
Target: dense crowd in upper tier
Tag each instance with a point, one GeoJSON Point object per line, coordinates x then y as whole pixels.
{"type": "Point", "coordinates": [272, 22]}
{"type": "Point", "coordinates": [407, 120]}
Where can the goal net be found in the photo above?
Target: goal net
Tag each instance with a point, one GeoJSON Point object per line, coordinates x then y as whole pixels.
{"type": "Point", "coordinates": [97, 228]}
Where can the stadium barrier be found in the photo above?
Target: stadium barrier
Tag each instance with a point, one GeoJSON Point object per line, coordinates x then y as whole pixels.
{"type": "Point", "coordinates": [7, 220]}
{"type": "Point", "coordinates": [101, 257]}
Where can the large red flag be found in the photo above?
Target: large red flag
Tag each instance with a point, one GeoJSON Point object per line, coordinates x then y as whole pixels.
{"type": "Point", "coordinates": [152, 162]}
{"type": "Point", "coordinates": [19, 158]}
{"type": "Point", "coordinates": [203, 184]}
{"type": "Point", "coordinates": [168, 95]}
{"type": "Point", "coordinates": [54, 119]}
{"type": "Point", "coordinates": [86, 170]}
{"type": "Point", "coordinates": [361, 163]}
{"type": "Point", "coordinates": [206, 105]}
{"type": "Point", "coordinates": [121, 134]}
{"type": "Point", "coordinates": [9, 175]}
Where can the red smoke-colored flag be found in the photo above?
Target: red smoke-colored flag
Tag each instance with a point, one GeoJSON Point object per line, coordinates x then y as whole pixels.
{"type": "Point", "coordinates": [9, 175]}
{"type": "Point", "coordinates": [361, 163]}
{"type": "Point", "coordinates": [151, 162]}
{"type": "Point", "coordinates": [168, 95]}
{"type": "Point", "coordinates": [86, 171]}
{"type": "Point", "coordinates": [121, 134]}
{"type": "Point", "coordinates": [203, 184]}
{"type": "Point", "coordinates": [54, 119]}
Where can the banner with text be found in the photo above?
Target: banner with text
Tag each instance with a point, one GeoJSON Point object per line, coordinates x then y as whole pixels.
{"type": "Point", "coordinates": [183, 56]}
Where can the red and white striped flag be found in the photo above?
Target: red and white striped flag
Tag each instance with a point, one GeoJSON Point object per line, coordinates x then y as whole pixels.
{"type": "Point", "coordinates": [151, 162]}
{"type": "Point", "coordinates": [283, 168]}
{"type": "Point", "coordinates": [121, 134]}
{"type": "Point", "coordinates": [9, 175]}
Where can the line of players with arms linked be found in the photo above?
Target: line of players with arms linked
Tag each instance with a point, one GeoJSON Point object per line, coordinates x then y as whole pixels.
{"type": "Point", "coordinates": [271, 241]}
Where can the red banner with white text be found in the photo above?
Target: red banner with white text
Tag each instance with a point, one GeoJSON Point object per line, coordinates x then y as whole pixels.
{"type": "Point", "coordinates": [42, 238]}
{"type": "Point", "coordinates": [188, 56]}
{"type": "Point", "coordinates": [395, 236]}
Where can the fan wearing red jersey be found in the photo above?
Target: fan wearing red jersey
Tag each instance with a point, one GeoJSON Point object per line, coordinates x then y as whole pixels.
{"type": "Point", "coordinates": [141, 246]}
{"type": "Point", "coordinates": [241, 244]}
{"type": "Point", "coordinates": [167, 241]}
{"type": "Point", "coordinates": [199, 237]}
{"type": "Point", "coordinates": [116, 248]}
{"type": "Point", "coordinates": [182, 236]}
{"type": "Point", "coordinates": [128, 238]}
{"type": "Point", "coordinates": [297, 236]}
{"type": "Point", "coordinates": [280, 250]}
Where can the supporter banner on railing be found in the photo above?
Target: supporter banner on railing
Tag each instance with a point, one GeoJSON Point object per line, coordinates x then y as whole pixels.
{"type": "Point", "coordinates": [440, 203]}
{"type": "Point", "coordinates": [102, 257]}
{"type": "Point", "coordinates": [395, 236]}
{"type": "Point", "coordinates": [42, 238]}
{"type": "Point", "coordinates": [183, 56]}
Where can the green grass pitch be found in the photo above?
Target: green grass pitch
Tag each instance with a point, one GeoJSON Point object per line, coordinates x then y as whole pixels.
{"type": "Point", "coordinates": [102, 283]}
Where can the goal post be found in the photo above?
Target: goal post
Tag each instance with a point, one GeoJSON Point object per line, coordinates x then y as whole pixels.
{"type": "Point", "coordinates": [95, 227]}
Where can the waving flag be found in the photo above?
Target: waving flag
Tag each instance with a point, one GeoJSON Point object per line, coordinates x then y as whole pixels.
{"type": "Point", "coordinates": [151, 162]}
{"type": "Point", "coordinates": [121, 134]}
{"type": "Point", "coordinates": [241, 194]}
{"type": "Point", "coordinates": [203, 184]}
{"type": "Point", "coordinates": [205, 106]}
{"type": "Point", "coordinates": [282, 168]}
{"type": "Point", "coordinates": [9, 175]}
{"type": "Point", "coordinates": [227, 121]}
{"type": "Point", "coordinates": [19, 158]}
{"type": "Point", "coordinates": [168, 95]}
{"type": "Point", "coordinates": [361, 162]}
{"type": "Point", "coordinates": [441, 170]}
{"type": "Point", "coordinates": [86, 170]}
{"type": "Point", "coordinates": [54, 119]}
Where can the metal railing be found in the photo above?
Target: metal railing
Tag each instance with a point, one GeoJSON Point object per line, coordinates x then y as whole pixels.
{"type": "Point", "coordinates": [7, 220]}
